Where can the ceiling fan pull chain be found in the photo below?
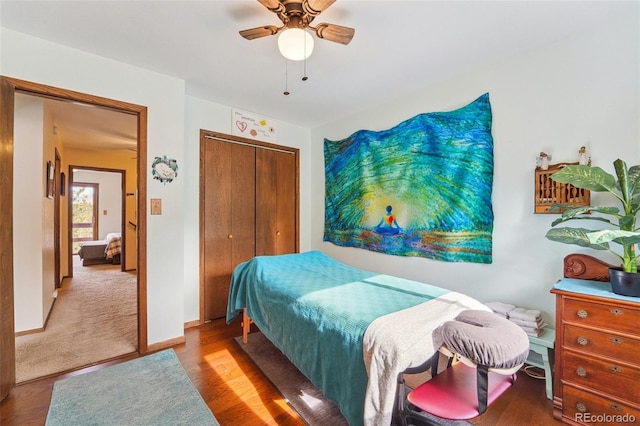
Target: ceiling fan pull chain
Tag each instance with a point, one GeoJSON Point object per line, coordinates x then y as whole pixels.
{"type": "Point", "coordinates": [286, 78]}
{"type": "Point", "coordinates": [304, 70]}
{"type": "Point", "coordinates": [304, 74]}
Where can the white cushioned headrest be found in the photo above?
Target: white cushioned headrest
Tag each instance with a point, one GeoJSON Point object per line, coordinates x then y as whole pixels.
{"type": "Point", "coordinates": [486, 339]}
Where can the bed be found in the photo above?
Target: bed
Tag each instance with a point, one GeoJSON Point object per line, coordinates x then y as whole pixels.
{"type": "Point", "coordinates": [344, 328]}
{"type": "Point", "coordinates": [102, 251]}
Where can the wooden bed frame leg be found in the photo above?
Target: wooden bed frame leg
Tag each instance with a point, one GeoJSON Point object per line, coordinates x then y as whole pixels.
{"type": "Point", "coordinates": [246, 326]}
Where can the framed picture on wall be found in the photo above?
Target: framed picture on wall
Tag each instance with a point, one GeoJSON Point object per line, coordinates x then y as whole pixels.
{"type": "Point", "coordinates": [50, 181]}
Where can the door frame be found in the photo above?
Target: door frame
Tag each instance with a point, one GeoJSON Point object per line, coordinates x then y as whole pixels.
{"type": "Point", "coordinates": [123, 211]}
{"type": "Point", "coordinates": [56, 220]}
{"type": "Point", "coordinates": [8, 87]}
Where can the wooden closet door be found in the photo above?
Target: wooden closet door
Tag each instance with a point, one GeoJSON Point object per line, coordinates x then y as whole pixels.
{"type": "Point", "coordinates": [276, 202]}
{"type": "Point", "coordinates": [228, 218]}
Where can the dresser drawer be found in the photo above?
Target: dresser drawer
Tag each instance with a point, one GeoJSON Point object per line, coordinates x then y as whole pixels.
{"type": "Point", "coordinates": [584, 407]}
{"type": "Point", "coordinates": [592, 314]}
{"type": "Point", "coordinates": [602, 343]}
{"type": "Point", "coordinates": [606, 376]}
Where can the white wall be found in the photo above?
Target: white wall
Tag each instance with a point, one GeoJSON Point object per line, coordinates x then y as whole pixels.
{"type": "Point", "coordinates": [40, 61]}
{"type": "Point", "coordinates": [28, 192]}
{"type": "Point", "coordinates": [47, 213]}
{"type": "Point", "coordinates": [34, 233]}
{"type": "Point", "coordinates": [201, 114]}
{"type": "Point", "coordinates": [580, 91]}
{"type": "Point", "coordinates": [109, 198]}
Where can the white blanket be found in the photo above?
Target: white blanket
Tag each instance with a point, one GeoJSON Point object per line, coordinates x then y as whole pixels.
{"type": "Point", "coordinates": [403, 339]}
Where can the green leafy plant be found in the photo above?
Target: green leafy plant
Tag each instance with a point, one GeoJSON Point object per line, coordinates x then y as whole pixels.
{"type": "Point", "coordinates": [620, 222]}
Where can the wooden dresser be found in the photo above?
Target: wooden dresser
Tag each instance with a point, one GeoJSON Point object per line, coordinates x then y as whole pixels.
{"type": "Point", "coordinates": [597, 356]}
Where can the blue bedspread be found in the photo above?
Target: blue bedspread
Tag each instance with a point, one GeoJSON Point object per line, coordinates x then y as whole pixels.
{"type": "Point", "coordinates": [316, 310]}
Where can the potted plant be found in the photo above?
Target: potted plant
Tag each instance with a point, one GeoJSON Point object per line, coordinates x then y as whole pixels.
{"type": "Point", "coordinates": [619, 223]}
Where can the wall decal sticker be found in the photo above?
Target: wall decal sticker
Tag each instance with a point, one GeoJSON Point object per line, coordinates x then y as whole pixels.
{"type": "Point", "coordinates": [253, 126]}
{"type": "Point", "coordinates": [164, 169]}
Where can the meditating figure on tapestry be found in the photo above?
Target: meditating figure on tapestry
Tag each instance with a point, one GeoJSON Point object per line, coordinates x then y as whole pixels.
{"type": "Point", "coordinates": [388, 224]}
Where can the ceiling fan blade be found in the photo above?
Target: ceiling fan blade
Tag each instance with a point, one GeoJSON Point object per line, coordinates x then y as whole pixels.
{"type": "Point", "coordinates": [316, 7]}
{"type": "Point", "coordinates": [258, 32]}
{"type": "Point", "coordinates": [336, 33]}
{"type": "Point", "coordinates": [273, 5]}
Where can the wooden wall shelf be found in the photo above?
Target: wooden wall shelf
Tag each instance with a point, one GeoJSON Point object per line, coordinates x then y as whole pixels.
{"type": "Point", "coordinates": [549, 192]}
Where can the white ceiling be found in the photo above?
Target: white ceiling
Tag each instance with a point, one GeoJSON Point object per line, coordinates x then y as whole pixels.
{"type": "Point", "coordinates": [398, 47]}
{"type": "Point", "coordinates": [90, 127]}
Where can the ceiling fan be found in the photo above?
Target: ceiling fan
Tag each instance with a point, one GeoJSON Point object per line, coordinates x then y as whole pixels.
{"type": "Point", "coordinates": [298, 14]}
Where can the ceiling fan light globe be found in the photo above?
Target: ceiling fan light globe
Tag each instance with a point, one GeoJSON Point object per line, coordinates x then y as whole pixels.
{"type": "Point", "coordinates": [295, 44]}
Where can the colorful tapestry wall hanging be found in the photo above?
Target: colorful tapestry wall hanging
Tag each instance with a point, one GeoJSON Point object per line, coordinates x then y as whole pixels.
{"type": "Point", "coordinates": [421, 188]}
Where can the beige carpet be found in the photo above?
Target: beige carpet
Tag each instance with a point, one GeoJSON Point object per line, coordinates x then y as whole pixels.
{"type": "Point", "coordinates": [93, 319]}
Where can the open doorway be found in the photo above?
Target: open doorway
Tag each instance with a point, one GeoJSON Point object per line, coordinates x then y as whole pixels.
{"type": "Point", "coordinates": [50, 338]}
{"type": "Point", "coordinates": [100, 225]}
{"type": "Point", "coordinates": [9, 88]}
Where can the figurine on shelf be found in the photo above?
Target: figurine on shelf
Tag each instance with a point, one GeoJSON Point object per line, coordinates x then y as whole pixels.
{"type": "Point", "coordinates": [582, 156]}
{"type": "Point", "coordinates": [544, 161]}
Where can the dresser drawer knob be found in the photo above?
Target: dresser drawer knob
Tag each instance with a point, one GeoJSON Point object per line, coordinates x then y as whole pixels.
{"type": "Point", "coordinates": [615, 311]}
{"type": "Point", "coordinates": [616, 340]}
{"type": "Point", "coordinates": [581, 407]}
{"type": "Point", "coordinates": [581, 372]}
{"type": "Point", "coordinates": [582, 341]}
{"type": "Point", "coordinates": [582, 313]}
{"type": "Point", "coordinates": [615, 369]}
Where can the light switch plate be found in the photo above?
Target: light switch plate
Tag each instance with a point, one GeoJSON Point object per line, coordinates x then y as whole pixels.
{"type": "Point", "coordinates": [156, 206]}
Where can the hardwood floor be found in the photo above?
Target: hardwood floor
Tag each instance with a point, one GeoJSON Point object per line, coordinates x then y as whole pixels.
{"type": "Point", "coordinates": [238, 394]}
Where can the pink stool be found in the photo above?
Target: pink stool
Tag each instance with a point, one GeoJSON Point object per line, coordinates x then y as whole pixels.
{"type": "Point", "coordinates": [453, 394]}
{"type": "Point", "coordinates": [485, 351]}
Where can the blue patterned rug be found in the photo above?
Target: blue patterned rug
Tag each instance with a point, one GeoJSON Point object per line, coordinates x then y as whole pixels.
{"type": "Point", "coordinates": [152, 390]}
